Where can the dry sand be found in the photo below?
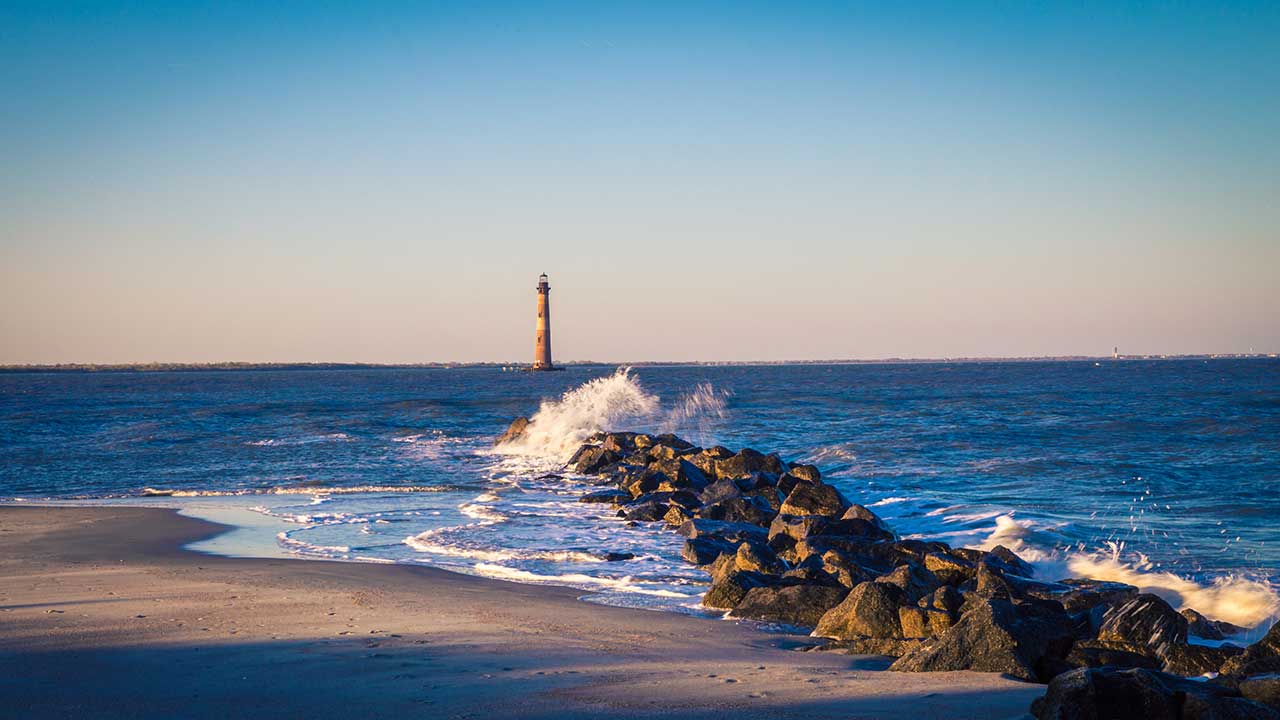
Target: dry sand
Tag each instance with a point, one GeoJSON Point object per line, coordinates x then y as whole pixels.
{"type": "Point", "coordinates": [102, 614]}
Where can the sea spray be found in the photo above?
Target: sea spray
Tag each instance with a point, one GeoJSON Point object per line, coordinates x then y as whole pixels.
{"type": "Point", "coordinates": [560, 426]}
{"type": "Point", "coordinates": [1237, 599]}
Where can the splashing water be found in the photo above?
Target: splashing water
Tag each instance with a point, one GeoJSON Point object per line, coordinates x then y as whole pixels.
{"type": "Point", "coordinates": [1237, 599]}
{"type": "Point", "coordinates": [613, 402]}
{"type": "Point", "coordinates": [1234, 598]}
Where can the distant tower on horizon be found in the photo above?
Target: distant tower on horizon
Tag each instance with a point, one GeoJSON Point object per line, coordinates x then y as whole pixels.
{"type": "Point", "coordinates": [542, 346]}
{"type": "Point", "coordinates": [1115, 353]}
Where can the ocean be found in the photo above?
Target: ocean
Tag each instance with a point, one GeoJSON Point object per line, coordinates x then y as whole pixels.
{"type": "Point", "coordinates": [1164, 474]}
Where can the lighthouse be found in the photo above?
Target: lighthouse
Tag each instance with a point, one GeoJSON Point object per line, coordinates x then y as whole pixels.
{"type": "Point", "coordinates": [542, 346]}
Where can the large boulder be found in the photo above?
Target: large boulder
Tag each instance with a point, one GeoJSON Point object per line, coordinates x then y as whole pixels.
{"type": "Point", "coordinates": [869, 610]}
{"type": "Point", "coordinates": [1114, 694]}
{"type": "Point", "coordinates": [514, 431]}
{"type": "Point", "coordinates": [1196, 660]}
{"type": "Point", "coordinates": [745, 462]}
{"type": "Point", "coordinates": [1085, 594]}
{"type": "Point", "coordinates": [1262, 689]}
{"type": "Point", "coordinates": [1092, 653]}
{"type": "Point", "coordinates": [706, 549]}
{"type": "Point", "coordinates": [1260, 657]}
{"type": "Point", "coordinates": [800, 605]}
{"type": "Point", "coordinates": [844, 568]}
{"type": "Point", "coordinates": [680, 474]}
{"type": "Point", "coordinates": [738, 532]}
{"type": "Point", "coordinates": [809, 499]}
{"type": "Point", "coordinates": [1145, 621]}
{"type": "Point", "coordinates": [739, 509]}
{"type": "Point", "coordinates": [758, 557]}
{"type": "Point", "coordinates": [861, 512]}
{"type": "Point", "coordinates": [807, 473]}
{"type": "Point", "coordinates": [1006, 561]}
{"type": "Point", "coordinates": [915, 581]}
{"type": "Point", "coordinates": [594, 459]}
{"type": "Point", "coordinates": [949, 568]}
{"type": "Point", "coordinates": [1203, 627]}
{"type": "Point", "coordinates": [720, 490]}
{"type": "Point", "coordinates": [993, 635]}
{"type": "Point", "coordinates": [729, 588]}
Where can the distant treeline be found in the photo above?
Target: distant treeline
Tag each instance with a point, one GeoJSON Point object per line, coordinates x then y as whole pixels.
{"type": "Point", "coordinates": [231, 366]}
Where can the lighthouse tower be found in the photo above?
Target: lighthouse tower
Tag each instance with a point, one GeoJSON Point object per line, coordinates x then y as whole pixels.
{"type": "Point", "coordinates": [542, 348]}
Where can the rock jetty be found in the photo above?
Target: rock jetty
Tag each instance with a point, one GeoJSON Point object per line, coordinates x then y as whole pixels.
{"type": "Point", "coordinates": [782, 546]}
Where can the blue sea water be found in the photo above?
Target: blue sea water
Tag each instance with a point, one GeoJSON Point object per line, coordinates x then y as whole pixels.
{"type": "Point", "coordinates": [1160, 473]}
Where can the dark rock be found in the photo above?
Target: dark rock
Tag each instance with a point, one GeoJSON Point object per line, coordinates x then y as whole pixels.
{"type": "Point", "coordinates": [514, 431]}
{"type": "Point", "coordinates": [992, 635]}
{"type": "Point", "coordinates": [622, 443]}
{"type": "Point", "coordinates": [739, 509]}
{"type": "Point", "coordinates": [768, 496]}
{"type": "Point", "coordinates": [706, 550]}
{"type": "Point", "coordinates": [577, 454]}
{"type": "Point", "coordinates": [844, 569]}
{"type": "Point", "coordinates": [618, 556]}
{"type": "Point", "coordinates": [794, 604]}
{"type": "Point", "coordinates": [644, 510]}
{"type": "Point", "coordinates": [720, 490]}
{"type": "Point", "coordinates": [1203, 627]}
{"type": "Point", "coordinates": [774, 464]}
{"type": "Point", "coordinates": [737, 532]}
{"type": "Point", "coordinates": [672, 441]}
{"type": "Point", "coordinates": [1145, 621]}
{"type": "Point", "coordinates": [807, 473]}
{"type": "Point", "coordinates": [1007, 562]}
{"type": "Point", "coordinates": [1262, 689]}
{"type": "Point", "coordinates": [922, 622]}
{"type": "Point", "coordinates": [593, 459]}
{"type": "Point", "coordinates": [797, 527]}
{"type": "Point", "coordinates": [745, 462]}
{"type": "Point", "coordinates": [870, 610]}
{"type": "Point", "coordinates": [861, 512]}
{"type": "Point", "coordinates": [949, 568]}
{"type": "Point", "coordinates": [1092, 653]}
{"type": "Point", "coordinates": [892, 647]}
{"type": "Point", "coordinates": [719, 452]}
{"type": "Point", "coordinates": [813, 572]}
{"type": "Point", "coordinates": [944, 598]}
{"type": "Point", "coordinates": [807, 499]}
{"type": "Point", "coordinates": [758, 557]}
{"type": "Point", "coordinates": [606, 496]}
{"type": "Point", "coordinates": [757, 481]}
{"type": "Point", "coordinates": [788, 482]}
{"type": "Point", "coordinates": [1086, 594]}
{"type": "Point", "coordinates": [915, 581]}
{"type": "Point", "coordinates": [731, 587]}
{"type": "Point", "coordinates": [681, 473]}
{"type": "Point", "coordinates": [1196, 660]}
{"type": "Point", "coordinates": [641, 440]}
{"type": "Point", "coordinates": [1260, 657]}
{"type": "Point", "coordinates": [677, 516]}
{"type": "Point", "coordinates": [1112, 694]}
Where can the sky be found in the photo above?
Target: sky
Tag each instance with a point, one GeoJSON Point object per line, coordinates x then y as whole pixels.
{"type": "Point", "coordinates": [383, 182]}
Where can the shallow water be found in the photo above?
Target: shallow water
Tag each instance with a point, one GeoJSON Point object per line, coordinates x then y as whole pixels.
{"type": "Point", "coordinates": [1160, 473]}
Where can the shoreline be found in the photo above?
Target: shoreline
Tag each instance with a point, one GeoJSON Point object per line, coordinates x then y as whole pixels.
{"type": "Point", "coordinates": [103, 608]}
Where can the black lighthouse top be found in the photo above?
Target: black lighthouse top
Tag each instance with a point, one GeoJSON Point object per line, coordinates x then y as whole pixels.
{"type": "Point", "coordinates": [542, 282]}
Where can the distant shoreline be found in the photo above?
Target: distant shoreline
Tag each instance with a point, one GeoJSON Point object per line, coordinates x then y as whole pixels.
{"type": "Point", "coordinates": [269, 366]}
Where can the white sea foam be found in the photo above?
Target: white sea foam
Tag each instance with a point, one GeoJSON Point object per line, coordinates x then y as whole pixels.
{"type": "Point", "coordinates": [1236, 599]}
{"type": "Point", "coordinates": [432, 542]}
{"type": "Point", "coordinates": [612, 402]}
{"type": "Point", "coordinates": [300, 440]}
{"type": "Point", "coordinates": [338, 518]}
{"type": "Point", "coordinates": [307, 548]}
{"type": "Point", "coordinates": [889, 501]}
{"type": "Point", "coordinates": [623, 584]}
{"type": "Point", "coordinates": [300, 490]}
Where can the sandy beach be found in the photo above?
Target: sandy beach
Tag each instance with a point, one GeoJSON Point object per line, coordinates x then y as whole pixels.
{"type": "Point", "coordinates": [102, 613]}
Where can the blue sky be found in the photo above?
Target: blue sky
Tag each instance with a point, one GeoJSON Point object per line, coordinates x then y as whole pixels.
{"type": "Point", "coordinates": [384, 181]}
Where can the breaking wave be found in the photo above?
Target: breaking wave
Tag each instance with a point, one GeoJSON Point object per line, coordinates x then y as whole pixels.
{"type": "Point", "coordinates": [1237, 599]}
{"type": "Point", "coordinates": [304, 490]}
{"type": "Point", "coordinates": [624, 584]}
{"type": "Point", "coordinates": [614, 401]}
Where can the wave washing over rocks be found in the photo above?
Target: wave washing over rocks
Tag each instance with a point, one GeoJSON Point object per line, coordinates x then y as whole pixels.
{"type": "Point", "coordinates": [782, 546]}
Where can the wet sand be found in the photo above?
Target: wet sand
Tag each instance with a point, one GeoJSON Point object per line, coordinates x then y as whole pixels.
{"type": "Point", "coordinates": [103, 614]}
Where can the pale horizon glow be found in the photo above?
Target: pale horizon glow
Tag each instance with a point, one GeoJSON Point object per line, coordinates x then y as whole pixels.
{"type": "Point", "coordinates": [746, 181]}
